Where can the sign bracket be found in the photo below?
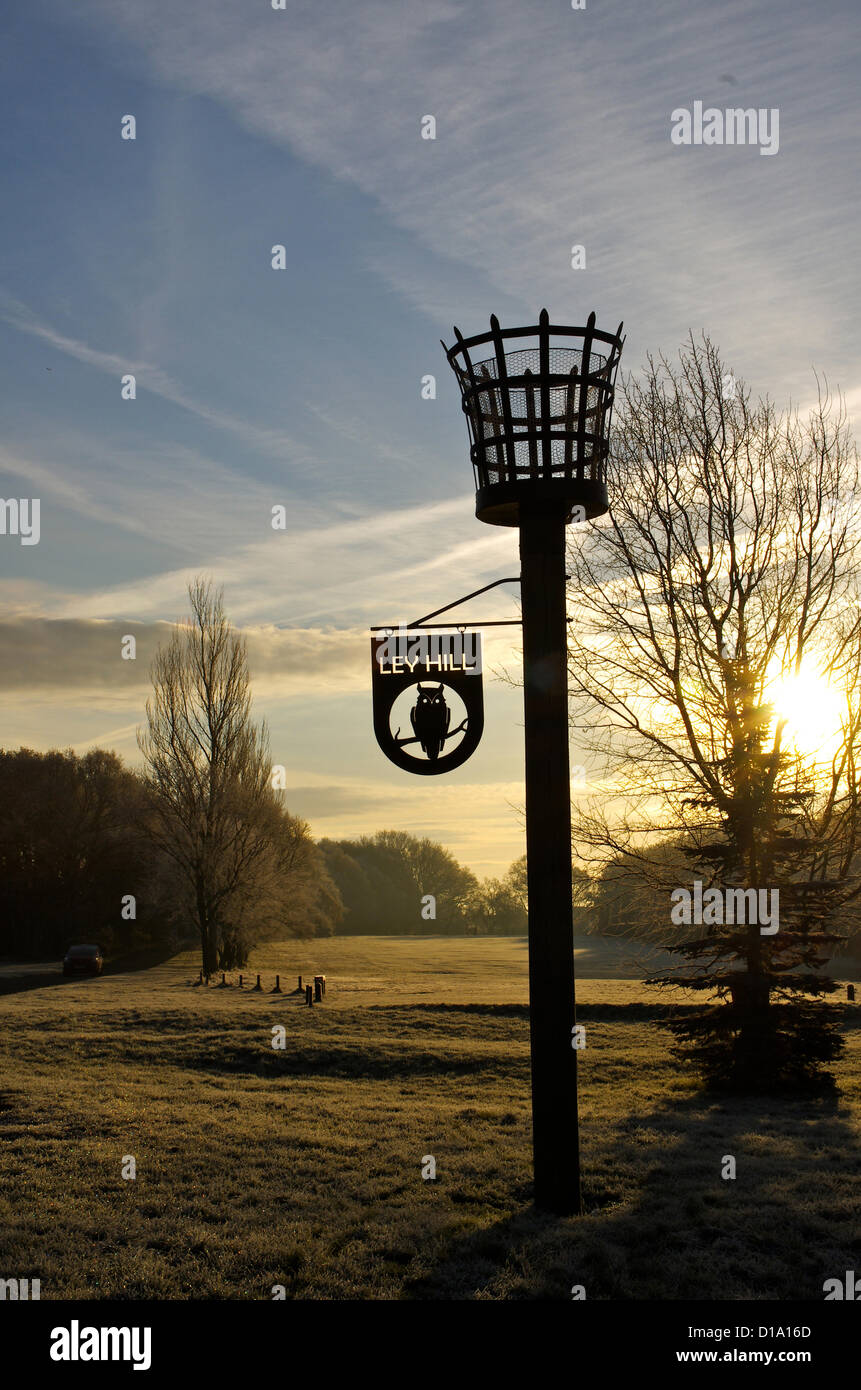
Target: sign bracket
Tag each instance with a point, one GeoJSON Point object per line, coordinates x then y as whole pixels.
{"type": "Point", "coordinates": [495, 622]}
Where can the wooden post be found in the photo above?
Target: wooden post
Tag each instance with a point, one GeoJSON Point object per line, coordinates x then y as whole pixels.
{"type": "Point", "coordinates": [318, 989]}
{"type": "Point", "coordinates": [223, 981]}
{"type": "Point", "coordinates": [309, 996]}
{"type": "Point", "coordinates": [277, 989]}
{"type": "Point", "coordinates": [240, 981]}
{"type": "Point", "coordinates": [258, 985]}
{"type": "Point", "coordinates": [300, 982]}
{"type": "Point", "coordinates": [850, 993]}
{"type": "Point", "coordinates": [555, 1137]}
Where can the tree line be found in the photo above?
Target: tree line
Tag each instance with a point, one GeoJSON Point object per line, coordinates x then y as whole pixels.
{"type": "Point", "coordinates": [197, 845]}
{"type": "Point", "coordinates": [85, 856]}
{"type": "Point", "coordinates": [392, 884]}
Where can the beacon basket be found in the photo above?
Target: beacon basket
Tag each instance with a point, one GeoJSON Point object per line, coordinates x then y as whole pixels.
{"type": "Point", "coordinates": [538, 415]}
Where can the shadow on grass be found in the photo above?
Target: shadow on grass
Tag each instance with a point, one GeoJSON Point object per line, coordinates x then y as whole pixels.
{"type": "Point", "coordinates": [399, 1053]}
{"type": "Point", "coordinates": [622, 1012]}
{"type": "Point", "coordinates": [661, 1223]}
{"type": "Point", "coordinates": [350, 1062]}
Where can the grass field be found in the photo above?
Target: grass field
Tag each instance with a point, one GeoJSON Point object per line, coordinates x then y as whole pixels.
{"type": "Point", "coordinates": [302, 1167]}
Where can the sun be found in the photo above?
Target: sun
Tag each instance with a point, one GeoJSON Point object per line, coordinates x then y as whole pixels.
{"type": "Point", "coordinates": [812, 709]}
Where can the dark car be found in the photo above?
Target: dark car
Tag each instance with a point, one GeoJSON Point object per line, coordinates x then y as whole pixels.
{"type": "Point", "coordinates": [83, 960]}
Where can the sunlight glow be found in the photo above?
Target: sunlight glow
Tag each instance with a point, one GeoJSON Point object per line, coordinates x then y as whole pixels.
{"type": "Point", "coordinates": [812, 709]}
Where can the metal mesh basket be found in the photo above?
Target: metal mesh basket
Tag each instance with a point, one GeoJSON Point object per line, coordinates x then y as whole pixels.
{"type": "Point", "coordinates": [538, 415]}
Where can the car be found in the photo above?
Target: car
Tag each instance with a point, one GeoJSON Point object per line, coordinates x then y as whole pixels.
{"type": "Point", "coordinates": [83, 960]}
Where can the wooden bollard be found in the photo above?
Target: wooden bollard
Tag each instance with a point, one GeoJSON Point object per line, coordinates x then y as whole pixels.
{"type": "Point", "coordinates": [309, 996]}
{"type": "Point", "coordinates": [850, 993]}
{"type": "Point", "coordinates": [223, 981]}
{"type": "Point", "coordinates": [318, 989]}
{"type": "Point", "coordinates": [240, 981]}
{"type": "Point", "coordinates": [300, 983]}
{"type": "Point", "coordinates": [277, 989]}
{"type": "Point", "coordinates": [258, 985]}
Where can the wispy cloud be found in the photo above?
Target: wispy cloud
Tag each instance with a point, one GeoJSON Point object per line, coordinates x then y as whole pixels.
{"type": "Point", "coordinates": [150, 377]}
{"type": "Point", "coordinates": [558, 135]}
{"type": "Point", "coordinates": [340, 572]}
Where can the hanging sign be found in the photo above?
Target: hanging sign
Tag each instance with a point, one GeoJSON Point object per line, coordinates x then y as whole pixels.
{"type": "Point", "coordinates": [428, 697]}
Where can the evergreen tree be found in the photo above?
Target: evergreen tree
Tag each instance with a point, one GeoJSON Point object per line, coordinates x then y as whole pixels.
{"type": "Point", "coordinates": [765, 1032]}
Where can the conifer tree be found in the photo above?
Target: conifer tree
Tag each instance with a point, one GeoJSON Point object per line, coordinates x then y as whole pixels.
{"type": "Point", "coordinates": [766, 1031]}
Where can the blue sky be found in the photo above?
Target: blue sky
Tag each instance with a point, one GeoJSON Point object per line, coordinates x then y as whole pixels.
{"type": "Point", "coordinates": [302, 387]}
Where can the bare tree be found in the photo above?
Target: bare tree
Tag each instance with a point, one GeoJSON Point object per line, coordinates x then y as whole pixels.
{"type": "Point", "coordinates": [209, 769]}
{"type": "Point", "coordinates": [732, 558]}
{"type": "Point", "coordinates": [732, 555]}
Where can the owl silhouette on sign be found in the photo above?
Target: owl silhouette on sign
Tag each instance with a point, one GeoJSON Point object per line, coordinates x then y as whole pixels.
{"type": "Point", "coordinates": [446, 711]}
{"type": "Point", "coordinates": [430, 718]}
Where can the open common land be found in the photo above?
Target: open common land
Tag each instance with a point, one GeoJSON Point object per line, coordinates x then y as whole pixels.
{"type": "Point", "coordinates": [302, 1167]}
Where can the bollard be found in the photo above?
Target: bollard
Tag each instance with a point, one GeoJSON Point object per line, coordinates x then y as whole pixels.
{"type": "Point", "coordinates": [258, 985]}
{"type": "Point", "coordinates": [277, 989]}
{"type": "Point", "coordinates": [318, 988]}
{"type": "Point", "coordinates": [223, 981]}
{"type": "Point", "coordinates": [309, 996]}
{"type": "Point", "coordinates": [299, 986]}
{"type": "Point", "coordinates": [850, 993]}
{"type": "Point", "coordinates": [240, 981]}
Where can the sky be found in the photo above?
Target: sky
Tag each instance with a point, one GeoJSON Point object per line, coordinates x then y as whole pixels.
{"type": "Point", "coordinates": [302, 387]}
